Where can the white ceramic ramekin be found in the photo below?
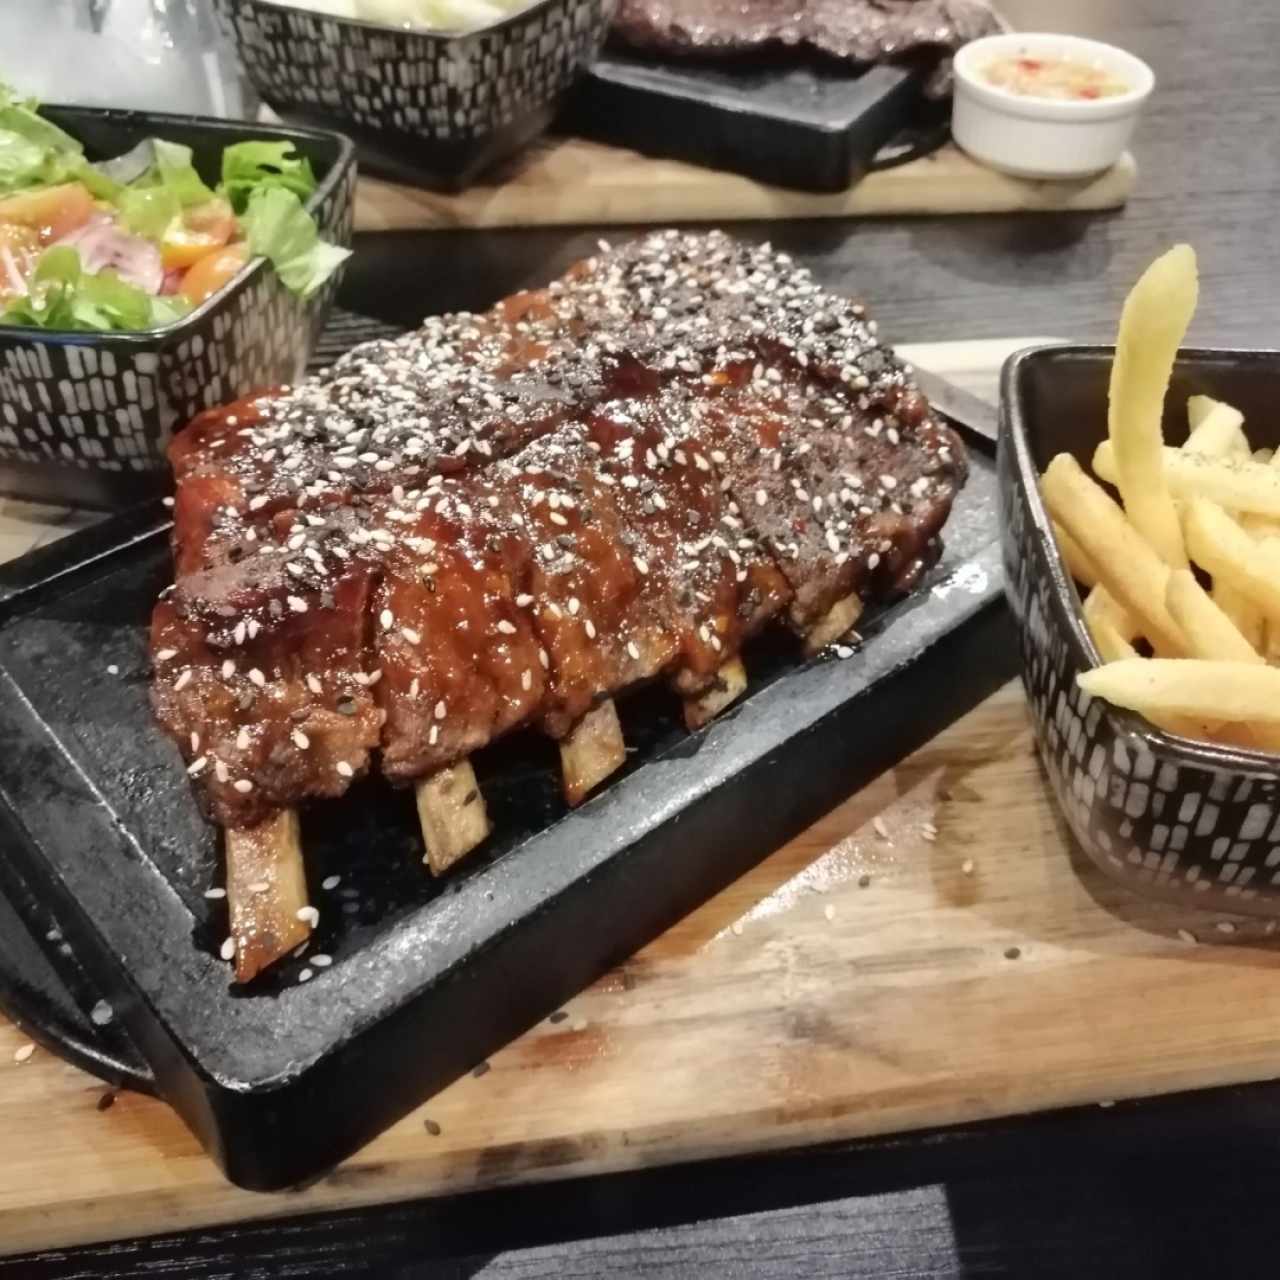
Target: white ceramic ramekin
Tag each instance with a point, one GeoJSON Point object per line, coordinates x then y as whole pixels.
{"type": "Point", "coordinates": [1045, 137]}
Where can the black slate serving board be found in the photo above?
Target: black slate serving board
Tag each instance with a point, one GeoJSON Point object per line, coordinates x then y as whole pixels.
{"type": "Point", "coordinates": [818, 126]}
{"type": "Point", "coordinates": [107, 860]}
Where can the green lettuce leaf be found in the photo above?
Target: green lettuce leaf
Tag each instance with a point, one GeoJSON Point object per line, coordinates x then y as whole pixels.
{"type": "Point", "coordinates": [34, 152]}
{"type": "Point", "coordinates": [175, 171]}
{"type": "Point", "coordinates": [252, 166]}
{"type": "Point", "coordinates": [64, 296]}
{"type": "Point", "coordinates": [22, 117]}
{"type": "Point", "coordinates": [149, 211]}
{"type": "Point", "coordinates": [280, 229]}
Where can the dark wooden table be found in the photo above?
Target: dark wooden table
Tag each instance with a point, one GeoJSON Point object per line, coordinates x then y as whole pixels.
{"type": "Point", "coordinates": [1178, 1186]}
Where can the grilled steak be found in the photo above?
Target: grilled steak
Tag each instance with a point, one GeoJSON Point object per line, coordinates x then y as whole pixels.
{"type": "Point", "coordinates": [860, 30]}
{"type": "Point", "coordinates": [500, 519]}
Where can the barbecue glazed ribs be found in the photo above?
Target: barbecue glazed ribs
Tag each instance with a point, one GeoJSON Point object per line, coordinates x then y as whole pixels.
{"type": "Point", "coordinates": [501, 519]}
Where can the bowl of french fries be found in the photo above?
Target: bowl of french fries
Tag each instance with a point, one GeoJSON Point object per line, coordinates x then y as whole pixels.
{"type": "Point", "coordinates": [1141, 492]}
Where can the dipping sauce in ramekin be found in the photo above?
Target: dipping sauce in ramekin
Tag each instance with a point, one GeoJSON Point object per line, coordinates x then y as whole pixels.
{"type": "Point", "coordinates": [1040, 105]}
{"type": "Point", "coordinates": [1062, 79]}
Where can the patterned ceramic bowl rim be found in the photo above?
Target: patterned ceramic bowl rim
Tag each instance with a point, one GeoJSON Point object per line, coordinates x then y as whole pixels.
{"type": "Point", "coordinates": [427, 33]}
{"type": "Point", "coordinates": [144, 337]}
{"type": "Point", "coordinates": [1064, 594]}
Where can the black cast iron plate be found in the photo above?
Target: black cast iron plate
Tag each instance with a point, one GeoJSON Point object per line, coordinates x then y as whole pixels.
{"type": "Point", "coordinates": [282, 1080]}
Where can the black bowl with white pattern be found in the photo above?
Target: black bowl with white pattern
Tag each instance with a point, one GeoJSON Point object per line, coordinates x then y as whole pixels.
{"type": "Point", "coordinates": [425, 107]}
{"type": "Point", "coordinates": [86, 417]}
{"type": "Point", "coordinates": [1174, 819]}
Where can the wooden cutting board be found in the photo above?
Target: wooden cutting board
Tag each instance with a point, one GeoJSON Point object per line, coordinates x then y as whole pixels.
{"type": "Point", "coordinates": [933, 951]}
{"type": "Point", "coordinates": [566, 181]}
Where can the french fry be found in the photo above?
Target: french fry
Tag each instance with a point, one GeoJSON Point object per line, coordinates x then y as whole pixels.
{"type": "Point", "coordinates": [1216, 429]}
{"type": "Point", "coordinates": [266, 889]}
{"type": "Point", "coordinates": [1198, 410]}
{"type": "Point", "coordinates": [730, 684]}
{"type": "Point", "coordinates": [1223, 549]}
{"type": "Point", "coordinates": [452, 815]}
{"type": "Point", "coordinates": [1208, 631]}
{"type": "Point", "coordinates": [1075, 557]}
{"type": "Point", "coordinates": [1195, 688]}
{"type": "Point", "coordinates": [1239, 484]}
{"type": "Point", "coordinates": [593, 750]}
{"type": "Point", "coordinates": [1248, 619]}
{"type": "Point", "coordinates": [1129, 569]}
{"type": "Point", "coordinates": [1109, 642]}
{"type": "Point", "coordinates": [1152, 326]}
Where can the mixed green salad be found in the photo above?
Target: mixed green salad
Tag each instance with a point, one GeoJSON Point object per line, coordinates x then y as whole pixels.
{"type": "Point", "coordinates": [138, 241]}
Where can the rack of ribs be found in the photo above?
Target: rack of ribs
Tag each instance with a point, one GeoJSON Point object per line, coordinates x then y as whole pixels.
{"type": "Point", "coordinates": [510, 519]}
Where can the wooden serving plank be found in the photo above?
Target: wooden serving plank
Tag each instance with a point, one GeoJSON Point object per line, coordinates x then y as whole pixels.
{"type": "Point", "coordinates": [566, 181]}
{"type": "Point", "coordinates": [933, 951]}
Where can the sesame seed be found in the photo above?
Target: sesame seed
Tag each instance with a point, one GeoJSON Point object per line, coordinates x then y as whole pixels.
{"type": "Point", "coordinates": [321, 961]}
{"type": "Point", "coordinates": [308, 915]}
{"type": "Point", "coordinates": [297, 604]}
{"type": "Point", "coordinates": [23, 1053]}
{"type": "Point", "coordinates": [434, 736]}
{"type": "Point", "coordinates": [524, 601]}
{"type": "Point", "coordinates": [165, 655]}
{"type": "Point", "coordinates": [313, 683]}
{"type": "Point", "coordinates": [1187, 936]}
{"type": "Point", "coordinates": [412, 636]}
{"type": "Point", "coordinates": [507, 628]}
{"type": "Point", "coordinates": [331, 882]}
{"type": "Point", "coordinates": [243, 739]}
{"type": "Point", "coordinates": [880, 829]}
{"type": "Point", "coordinates": [182, 681]}
{"type": "Point", "coordinates": [197, 766]}
{"type": "Point", "coordinates": [300, 740]}
{"type": "Point", "coordinates": [544, 659]}
{"type": "Point", "coordinates": [761, 497]}
{"type": "Point", "coordinates": [440, 709]}
{"type": "Point", "coordinates": [526, 680]}
{"type": "Point", "coordinates": [221, 772]}
{"type": "Point", "coordinates": [228, 949]}
{"type": "Point", "coordinates": [574, 605]}
{"type": "Point", "coordinates": [305, 975]}
{"type": "Point", "coordinates": [1225, 926]}
{"type": "Point", "coordinates": [387, 618]}
{"type": "Point", "coordinates": [829, 911]}
{"type": "Point", "coordinates": [215, 894]}
{"type": "Point", "coordinates": [633, 650]}
{"type": "Point", "coordinates": [228, 669]}
{"type": "Point", "coordinates": [243, 786]}
{"type": "Point", "coordinates": [642, 565]}
{"type": "Point", "coordinates": [966, 867]}
{"type": "Point", "coordinates": [345, 769]}
{"type": "Point", "coordinates": [590, 628]}
{"type": "Point", "coordinates": [257, 678]}
{"type": "Point", "coordinates": [259, 886]}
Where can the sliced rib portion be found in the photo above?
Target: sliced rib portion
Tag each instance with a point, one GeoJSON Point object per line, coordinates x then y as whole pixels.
{"type": "Point", "coordinates": [271, 703]}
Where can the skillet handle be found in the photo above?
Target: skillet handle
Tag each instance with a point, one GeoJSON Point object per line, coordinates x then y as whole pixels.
{"type": "Point", "coordinates": [46, 992]}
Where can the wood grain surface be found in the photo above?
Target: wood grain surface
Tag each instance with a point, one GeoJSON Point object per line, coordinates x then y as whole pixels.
{"type": "Point", "coordinates": [573, 182]}
{"type": "Point", "coordinates": [866, 979]}
{"type": "Point", "coordinates": [932, 952]}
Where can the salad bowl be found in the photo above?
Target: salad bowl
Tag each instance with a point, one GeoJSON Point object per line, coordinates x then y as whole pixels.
{"type": "Point", "coordinates": [426, 107]}
{"type": "Point", "coordinates": [85, 417]}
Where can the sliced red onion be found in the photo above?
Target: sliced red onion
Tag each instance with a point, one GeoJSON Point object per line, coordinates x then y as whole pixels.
{"type": "Point", "coordinates": [9, 273]}
{"type": "Point", "coordinates": [103, 245]}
